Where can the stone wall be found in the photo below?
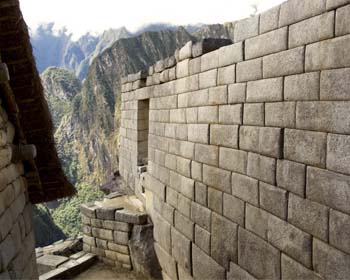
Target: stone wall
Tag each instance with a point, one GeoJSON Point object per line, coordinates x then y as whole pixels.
{"type": "Point", "coordinates": [107, 231]}
{"type": "Point", "coordinates": [17, 241]}
{"type": "Point", "coordinates": [248, 148]}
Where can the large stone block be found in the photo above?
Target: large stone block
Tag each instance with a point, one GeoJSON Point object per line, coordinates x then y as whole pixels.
{"type": "Point", "coordinates": [183, 166]}
{"type": "Point", "coordinates": [254, 114]}
{"type": "Point", "coordinates": [269, 20]}
{"type": "Point", "coordinates": [184, 225]}
{"type": "Point", "coordinates": [186, 84]}
{"type": "Point", "coordinates": [338, 153]}
{"type": "Point", "coordinates": [290, 240]}
{"type": "Point", "coordinates": [339, 228]}
{"type": "Point", "coordinates": [218, 95]}
{"type": "Point", "coordinates": [223, 240]}
{"type": "Point", "coordinates": [166, 262]}
{"type": "Point", "coordinates": [256, 220]}
{"type": "Point", "coordinates": [294, 270]}
{"type": "Point", "coordinates": [246, 28]}
{"type": "Point", "coordinates": [311, 30]}
{"type": "Point", "coordinates": [217, 178]}
{"type": "Point", "coordinates": [208, 114]}
{"type": "Point", "coordinates": [162, 232]}
{"type": "Point", "coordinates": [201, 193]}
{"type": "Point", "coordinates": [102, 233]}
{"type": "Point", "coordinates": [208, 79]}
{"type": "Point", "coordinates": [305, 147]}
{"type": "Point", "coordinates": [208, 45]}
{"type": "Point", "coordinates": [265, 90]}
{"type": "Point", "coordinates": [204, 267]}
{"type": "Point", "coordinates": [106, 213]}
{"type": "Point", "coordinates": [330, 263]}
{"type": "Point", "coordinates": [178, 116]}
{"type": "Point", "coordinates": [280, 114]}
{"type": "Point", "coordinates": [227, 75]}
{"type": "Point", "coordinates": [236, 93]}
{"type": "Point", "coordinates": [207, 154]}
{"type": "Point", "coordinates": [328, 54]}
{"type": "Point", "coordinates": [192, 115]}
{"type": "Point", "coordinates": [249, 138]}
{"type": "Point", "coordinates": [268, 43]}
{"type": "Point", "coordinates": [186, 51]}
{"type": "Point", "coordinates": [230, 114]}
{"type": "Point", "coordinates": [284, 63]}
{"type": "Point", "coordinates": [182, 69]}
{"type": "Point", "coordinates": [196, 171]}
{"type": "Point", "coordinates": [291, 176]}
{"type": "Point", "coordinates": [302, 87]}
{"type": "Point", "coordinates": [224, 135]}
{"type": "Point", "coordinates": [231, 54]}
{"type": "Point", "coordinates": [201, 215]}
{"type": "Point", "coordinates": [262, 168]}
{"type": "Point", "coordinates": [233, 209]}
{"type": "Point", "coordinates": [245, 188]}
{"type": "Point", "coordinates": [198, 98]}
{"type": "Point", "coordinates": [249, 70]}
{"type": "Point", "coordinates": [181, 250]}
{"type": "Point", "coordinates": [273, 200]}
{"type": "Point", "coordinates": [210, 61]}
{"type": "Point", "coordinates": [198, 133]}
{"type": "Point", "coordinates": [328, 188]}
{"type": "Point", "coordinates": [234, 160]}
{"type": "Point", "coordinates": [325, 116]}
{"type": "Point", "coordinates": [182, 184]}
{"type": "Point", "coordinates": [331, 4]}
{"type": "Point", "coordinates": [202, 239]}
{"type": "Point", "coordinates": [309, 216]}
{"type": "Point", "coordinates": [335, 84]}
{"type": "Point", "coordinates": [297, 10]}
{"type": "Point", "coordinates": [342, 24]}
{"type": "Point", "coordinates": [215, 200]}
{"type": "Point", "coordinates": [257, 256]}
{"type": "Point", "coordinates": [236, 272]}
{"type": "Point", "coordinates": [195, 66]}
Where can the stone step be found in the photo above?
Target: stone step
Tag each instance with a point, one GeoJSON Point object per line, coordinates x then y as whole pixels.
{"type": "Point", "coordinates": [70, 268]}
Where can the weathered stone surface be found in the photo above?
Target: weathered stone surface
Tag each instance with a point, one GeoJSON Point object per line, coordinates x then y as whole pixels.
{"type": "Point", "coordinates": [245, 188]}
{"type": "Point", "coordinates": [249, 138]}
{"type": "Point", "coordinates": [183, 166]}
{"type": "Point", "coordinates": [195, 66]}
{"type": "Point", "coordinates": [227, 75]}
{"type": "Point", "coordinates": [205, 267]}
{"type": "Point", "coordinates": [342, 21]}
{"type": "Point", "coordinates": [118, 248]}
{"type": "Point", "coordinates": [246, 28]}
{"type": "Point", "coordinates": [230, 114]}
{"type": "Point", "coordinates": [328, 54]}
{"type": "Point", "coordinates": [218, 95]}
{"type": "Point", "coordinates": [89, 240]}
{"type": "Point", "coordinates": [291, 176]}
{"type": "Point", "coordinates": [233, 209]}
{"type": "Point", "coordinates": [186, 84]}
{"type": "Point", "coordinates": [294, 270]}
{"type": "Point", "coordinates": [305, 147]}
{"type": "Point", "coordinates": [208, 45]}
{"type": "Point", "coordinates": [231, 54]}
{"type": "Point", "coordinates": [208, 79]}
{"type": "Point", "coordinates": [184, 205]}
{"type": "Point", "coordinates": [338, 153]}
{"type": "Point", "coordinates": [262, 168]}
{"type": "Point", "coordinates": [290, 240]}
{"type": "Point", "coordinates": [256, 220]}
{"type": "Point", "coordinates": [100, 243]}
{"type": "Point", "coordinates": [331, 4]}
{"type": "Point", "coordinates": [330, 263]}
{"type": "Point", "coordinates": [215, 200]}
{"type": "Point", "coordinates": [269, 20]}
{"type": "Point", "coordinates": [328, 188]}
{"type": "Point", "coordinates": [265, 90]}
{"type": "Point", "coordinates": [249, 70]}
{"type": "Point", "coordinates": [302, 87]}
{"type": "Point", "coordinates": [166, 262]}
{"type": "Point", "coordinates": [223, 240]}
{"type": "Point", "coordinates": [102, 233]}
{"type": "Point", "coordinates": [210, 61]}
{"type": "Point", "coordinates": [201, 193]}
{"type": "Point", "coordinates": [268, 43]}
{"type": "Point", "coordinates": [184, 225]}
{"type": "Point", "coordinates": [131, 217]}
{"type": "Point", "coordinates": [258, 257]}
{"type": "Point", "coordinates": [297, 10]}
{"type": "Point", "coordinates": [236, 93]}
{"type": "Point", "coordinates": [273, 200]}
{"type": "Point", "coordinates": [202, 239]}
{"type": "Point", "coordinates": [323, 116]}
{"type": "Point", "coordinates": [335, 84]}
{"type": "Point", "coordinates": [237, 272]}
{"type": "Point", "coordinates": [186, 51]}
{"type": "Point", "coordinates": [217, 178]}
{"type": "Point", "coordinates": [89, 210]}
{"type": "Point", "coordinates": [280, 114]}
{"type": "Point", "coordinates": [339, 228]}
{"type": "Point", "coordinates": [201, 215]}
{"type": "Point", "coordinates": [162, 232]}
{"type": "Point", "coordinates": [207, 154]}
{"type": "Point", "coordinates": [254, 114]}
{"type": "Point", "coordinates": [181, 250]}
{"type": "Point", "coordinates": [311, 30]}
{"type": "Point", "coordinates": [115, 225]}
{"type": "Point", "coordinates": [196, 171]}
{"type": "Point", "coordinates": [234, 160]}
{"type": "Point", "coordinates": [284, 63]}
{"type": "Point", "coordinates": [182, 69]}
{"type": "Point", "coordinates": [224, 135]}
{"type": "Point", "coordinates": [106, 213]}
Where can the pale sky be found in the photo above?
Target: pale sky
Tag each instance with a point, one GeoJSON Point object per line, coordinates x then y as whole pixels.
{"type": "Point", "coordinates": [81, 16]}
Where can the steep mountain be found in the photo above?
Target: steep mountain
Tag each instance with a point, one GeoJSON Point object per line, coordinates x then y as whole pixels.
{"type": "Point", "coordinates": [57, 48]}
